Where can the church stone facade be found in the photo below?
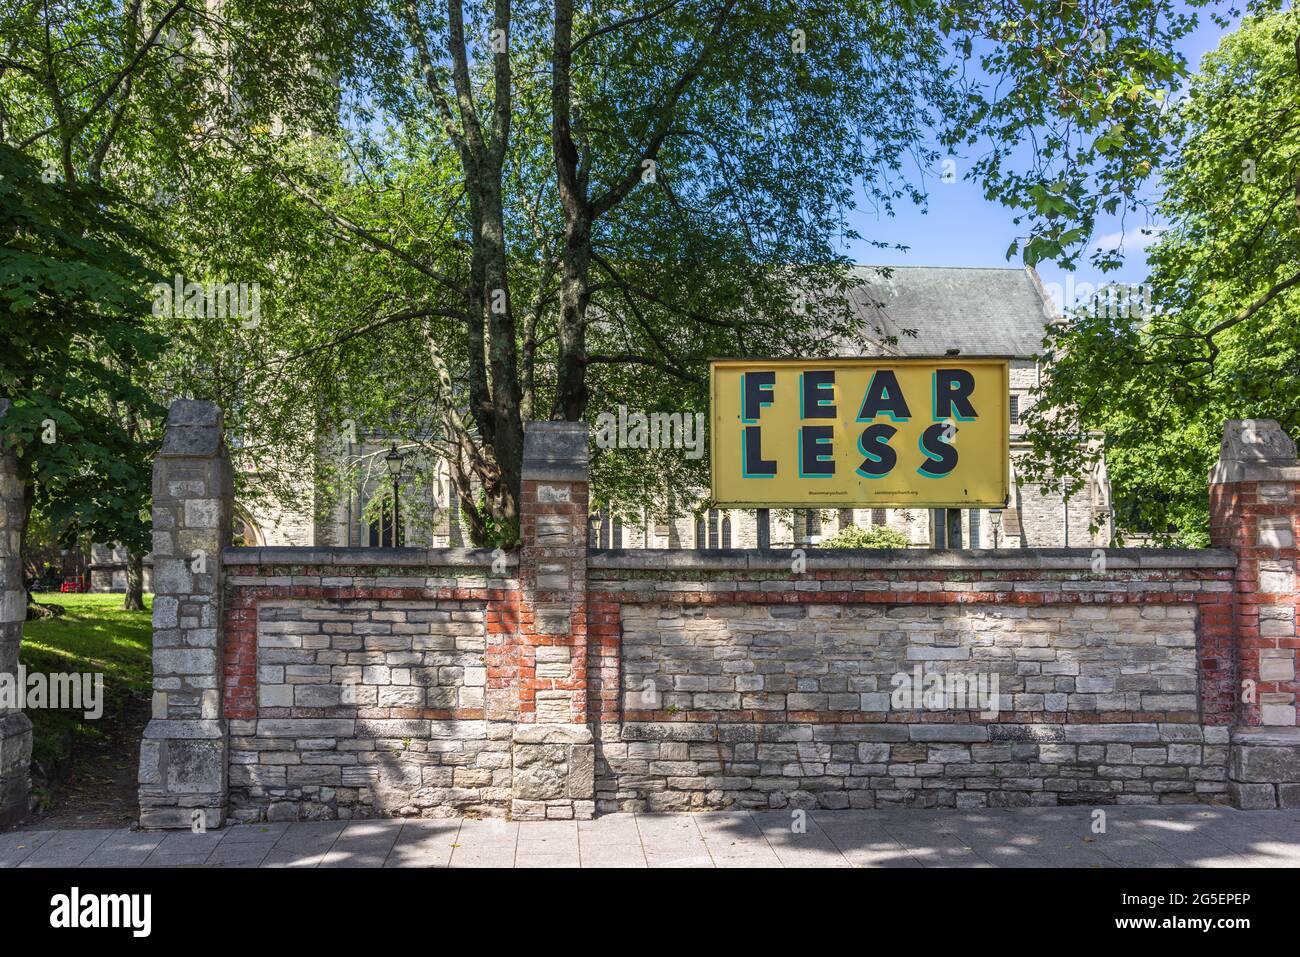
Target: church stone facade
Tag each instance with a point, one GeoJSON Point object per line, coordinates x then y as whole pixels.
{"type": "Point", "coordinates": [904, 311]}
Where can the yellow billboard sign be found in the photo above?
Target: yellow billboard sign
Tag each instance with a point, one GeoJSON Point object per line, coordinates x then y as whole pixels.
{"type": "Point", "coordinates": [860, 432]}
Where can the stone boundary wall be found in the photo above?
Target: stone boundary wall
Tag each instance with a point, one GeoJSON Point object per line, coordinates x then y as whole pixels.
{"type": "Point", "coordinates": [744, 684]}
{"type": "Point", "coordinates": [356, 680]}
{"type": "Point", "coordinates": [558, 682]}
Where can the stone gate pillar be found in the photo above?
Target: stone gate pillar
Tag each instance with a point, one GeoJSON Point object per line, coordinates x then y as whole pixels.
{"type": "Point", "coordinates": [553, 754]}
{"type": "Point", "coordinates": [15, 727]}
{"type": "Point", "coordinates": [183, 775]}
{"type": "Point", "coordinates": [1255, 511]}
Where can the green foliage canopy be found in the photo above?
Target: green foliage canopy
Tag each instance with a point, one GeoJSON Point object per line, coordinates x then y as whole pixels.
{"type": "Point", "coordinates": [72, 277]}
{"type": "Point", "coordinates": [1216, 336]}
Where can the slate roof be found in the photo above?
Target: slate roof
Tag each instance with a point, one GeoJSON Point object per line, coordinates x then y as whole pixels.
{"type": "Point", "coordinates": [982, 312]}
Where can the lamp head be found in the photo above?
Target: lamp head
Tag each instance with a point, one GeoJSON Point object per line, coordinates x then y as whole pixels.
{"type": "Point", "coordinates": [394, 460]}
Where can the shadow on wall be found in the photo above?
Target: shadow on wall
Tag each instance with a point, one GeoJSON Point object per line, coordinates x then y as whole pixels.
{"type": "Point", "coordinates": [369, 708]}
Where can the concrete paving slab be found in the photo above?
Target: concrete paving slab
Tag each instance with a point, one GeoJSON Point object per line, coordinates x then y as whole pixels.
{"type": "Point", "coordinates": [798, 841]}
{"type": "Point", "coordinates": [17, 846]}
{"type": "Point", "coordinates": [256, 833]}
{"type": "Point", "coordinates": [673, 840]}
{"type": "Point", "coordinates": [1259, 850]}
{"type": "Point", "coordinates": [68, 848]}
{"type": "Point", "coordinates": [189, 842]}
{"type": "Point", "coordinates": [736, 840]}
{"type": "Point", "coordinates": [239, 854]}
{"type": "Point", "coordinates": [610, 829]}
{"type": "Point", "coordinates": [186, 848]}
{"type": "Point", "coordinates": [548, 833]}
{"type": "Point", "coordinates": [125, 849]}
{"type": "Point", "coordinates": [364, 844]}
{"type": "Point", "coordinates": [862, 839]}
{"type": "Point", "coordinates": [304, 844]}
{"type": "Point", "coordinates": [1220, 840]}
{"type": "Point", "coordinates": [613, 855]}
{"type": "Point", "coordinates": [524, 858]}
{"type": "Point", "coordinates": [311, 834]}
{"type": "Point", "coordinates": [933, 840]}
{"type": "Point", "coordinates": [547, 844]}
{"type": "Point", "coordinates": [483, 857]}
{"type": "Point", "coordinates": [488, 832]}
{"type": "Point", "coordinates": [994, 839]}
{"type": "Point", "coordinates": [425, 844]}
{"type": "Point", "coordinates": [486, 842]}
{"type": "Point", "coordinates": [613, 840]}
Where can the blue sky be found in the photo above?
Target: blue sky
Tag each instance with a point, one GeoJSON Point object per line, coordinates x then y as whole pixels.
{"type": "Point", "coordinates": [961, 228]}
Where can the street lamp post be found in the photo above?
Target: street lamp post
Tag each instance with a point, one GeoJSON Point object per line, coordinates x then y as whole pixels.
{"type": "Point", "coordinates": [995, 519]}
{"type": "Point", "coordinates": [395, 460]}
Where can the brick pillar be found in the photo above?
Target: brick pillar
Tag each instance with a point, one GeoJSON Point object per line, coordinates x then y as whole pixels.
{"type": "Point", "coordinates": [15, 727]}
{"type": "Point", "coordinates": [553, 754]}
{"type": "Point", "coordinates": [183, 755]}
{"type": "Point", "coordinates": [1255, 511]}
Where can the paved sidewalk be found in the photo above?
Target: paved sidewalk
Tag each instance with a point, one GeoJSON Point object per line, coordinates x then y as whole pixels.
{"type": "Point", "coordinates": [1028, 837]}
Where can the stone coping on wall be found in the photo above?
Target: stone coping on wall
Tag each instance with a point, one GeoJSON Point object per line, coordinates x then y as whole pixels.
{"type": "Point", "coordinates": [1229, 472]}
{"type": "Point", "coordinates": [913, 559]}
{"type": "Point", "coordinates": [818, 559]}
{"type": "Point", "coordinates": [476, 558]}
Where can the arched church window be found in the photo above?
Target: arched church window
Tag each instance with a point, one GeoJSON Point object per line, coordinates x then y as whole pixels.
{"type": "Point", "coordinates": [244, 531]}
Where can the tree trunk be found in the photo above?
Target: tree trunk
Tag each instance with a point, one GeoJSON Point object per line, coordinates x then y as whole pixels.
{"type": "Point", "coordinates": [133, 600]}
{"type": "Point", "coordinates": [502, 355]}
{"type": "Point", "coordinates": [575, 291]}
{"type": "Point", "coordinates": [35, 609]}
{"type": "Point", "coordinates": [28, 500]}
{"type": "Point", "coordinates": [571, 179]}
{"type": "Point", "coordinates": [462, 487]}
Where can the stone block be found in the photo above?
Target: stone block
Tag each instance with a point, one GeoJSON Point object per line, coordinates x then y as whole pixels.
{"type": "Point", "coordinates": [582, 771]}
{"type": "Point", "coordinates": [538, 780]}
{"type": "Point", "coordinates": [1252, 797]}
{"type": "Point", "coordinates": [554, 706]}
{"type": "Point", "coordinates": [1277, 664]}
{"type": "Point", "coordinates": [1275, 533]}
{"type": "Point", "coordinates": [1277, 714]}
{"type": "Point", "coordinates": [1273, 765]}
{"type": "Point", "coordinates": [552, 493]}
{"type": "Point", "coordinates": [554, 531]}
{"type": "Point", "coordinates": [1277, 577]}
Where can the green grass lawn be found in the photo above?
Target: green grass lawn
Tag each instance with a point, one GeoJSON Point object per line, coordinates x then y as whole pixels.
{"type": "Point", "coordinates": [93, 635]}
